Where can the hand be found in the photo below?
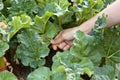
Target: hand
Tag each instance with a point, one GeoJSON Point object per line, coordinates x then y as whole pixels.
{"type": "Point", "coordinates": [64, 39]}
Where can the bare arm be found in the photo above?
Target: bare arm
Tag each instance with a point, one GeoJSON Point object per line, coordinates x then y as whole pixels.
{"type": "Point", "coordinates": [64, 39]}
{"type": "Point", "coordinates": [112, 11]}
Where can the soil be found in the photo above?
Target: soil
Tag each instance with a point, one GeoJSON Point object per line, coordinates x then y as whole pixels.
{"type": "Point", "coordinates": [20, 71]}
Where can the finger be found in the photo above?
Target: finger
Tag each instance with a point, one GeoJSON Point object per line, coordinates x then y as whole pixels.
{"type": "Point", "coordinates": [54, 47]}
{"type": "Point", "coordinates": [58, 39]}
{"type": "Point", "coordinates": [62, 45]}
{"type": "Point", "coordinates": [70, 43]}
{"type": "Point", "coordinates": [66, 47]}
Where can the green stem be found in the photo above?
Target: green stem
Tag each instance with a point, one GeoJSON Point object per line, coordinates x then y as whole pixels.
{"type": "Point", "coordinates": [2, 63]}
{"type": "Point", "coordinates": [114, 54]}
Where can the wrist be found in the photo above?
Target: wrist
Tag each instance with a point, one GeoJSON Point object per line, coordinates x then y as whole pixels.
{"type": "Point", "coordinates": [87, 26]}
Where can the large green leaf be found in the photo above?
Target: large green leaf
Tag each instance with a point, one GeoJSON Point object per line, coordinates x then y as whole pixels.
{"type": "Point", "coordinates": [62, 3]}
{"type": "Point", "coordinates": [107, 41]}
{"type": "Point", "coordinates": [94, 55]}
{"type": "Point", "coordinates": [59, 8]}
{"type": "Point", "coordinates": [19, 7]}
{"type": "Point", "coordinates": [3, 47]}
{"type": "Point", "coordinates": [42, 73]}
{"type": "Point", "coordinates": [17, 23]}
{"type": "Point", "coordinates": [40, 22]}
{"type": "Point", "coordinates": [32, 49]}
{"type": "Point", "coordinates": [91, 49]}
{"type": "Point", "coordinates": [5, 75]}
{"type": "Point", "coordinates": [69, 67]}
{"type": "Point", "coordinates": [55, 6]}
{"type": "Point", "coordinates": [109, 47]}
{"type": "Point", "coordinates": [106, 72]}
{"type": "Point", "coordinates": [84, 46]}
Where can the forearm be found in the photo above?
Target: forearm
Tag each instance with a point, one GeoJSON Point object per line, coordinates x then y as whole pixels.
{"type": "Point", "coordinates": [113, 17]}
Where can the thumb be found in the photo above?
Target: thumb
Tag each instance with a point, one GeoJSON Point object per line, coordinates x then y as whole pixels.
{"type": "Point", "coordinates": [56, 40]}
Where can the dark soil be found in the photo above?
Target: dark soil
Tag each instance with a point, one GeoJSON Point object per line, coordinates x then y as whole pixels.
{"type": "Point", "coordinates": [20, 71]}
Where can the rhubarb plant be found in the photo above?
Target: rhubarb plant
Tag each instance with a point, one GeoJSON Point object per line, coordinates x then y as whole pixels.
{"type": "Point", "coordinates": [33, 23]}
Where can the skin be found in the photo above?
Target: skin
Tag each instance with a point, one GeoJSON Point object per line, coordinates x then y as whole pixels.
{"type": "Point", "coordinates": [64, 39]}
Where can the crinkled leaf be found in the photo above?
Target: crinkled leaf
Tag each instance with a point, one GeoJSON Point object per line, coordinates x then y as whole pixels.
{"type": "Point", "coordinates": [40, 22]}
{"type": "Point", "coordinates": [106, 70]}
{"type": "Point", "coordinates": [109, 46]}
{"type": "Point", "coordinates": [17, 23]}
{"type": "Point", "coordinates": [107, 41]}
{"type": "Point", "coordinates": [59, 8]}
{"type": "Point", "coordinates": [3, 47]}
{"type": "Point", "coordinates": [5, 75]}
{"type": "Point", "coordinates": [62, 60]}
{"type": "Point", "coordinates": [42, 73]}
{"type": "Point", "coordinates": [84, 46]}
{"type": "Point", "coordinates": [104, 73]}
{"type": "Point", "coordinates": [72, 68]}
{"type": "Point", "coordinates": [55, 6]}
{"type": "Point", "coordinates": [98, 30]}
{"type": "Point", "coordinates": [18, 7]}
{"type": "Point", "coordinates": [62, 3]}
{"type": "Point", "coordinates": [32, 48]}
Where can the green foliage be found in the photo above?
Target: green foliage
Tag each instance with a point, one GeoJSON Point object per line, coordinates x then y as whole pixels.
{"type": "Point", "coordinates": [31, 48]}
{"type": "Point", "coordinates": [19, 7]}
{"type": "Point", "coordinates": [34, 42]}
{"type": "Point", "coordinates": [3, 47]}
{"type": "Point", "coordinates": [5, 75]}
{"type": "Point", "coordinates": [18, 23]}
{"type": "Point", "coordinates": [40, 22]}
{"type": "Point", "coordinates": [89, 48]}
{"type": "Point", "coordinates": [83, 56]}
{"type": "Point", "coordinates": [42, 73]}
{"type": "Point", "coordinates": [33, 23]}
{"type": "Point", "coordinates": [86, 7]}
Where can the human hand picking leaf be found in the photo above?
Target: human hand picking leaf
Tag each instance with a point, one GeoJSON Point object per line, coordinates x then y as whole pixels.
{"type": "Point", "coordinates": [64, 39]}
